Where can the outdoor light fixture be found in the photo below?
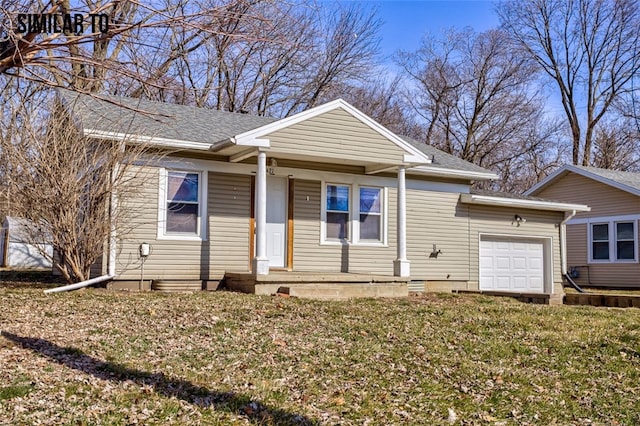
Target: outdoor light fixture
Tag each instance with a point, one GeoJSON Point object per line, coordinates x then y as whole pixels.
{"type": "Point", "coordinates": [519, 220]}
{"type": "Point", "coordinates": [272, 167]}
{"type": "Point", "coordinates": [435, 252]}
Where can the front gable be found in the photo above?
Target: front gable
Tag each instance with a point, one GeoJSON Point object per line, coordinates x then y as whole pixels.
{"type": "Point", "coordinates": [335, 132]}
{"type": "Point", "coordinates": [604, 200]}
{"type": "Point", "coordinates": [335, 135]}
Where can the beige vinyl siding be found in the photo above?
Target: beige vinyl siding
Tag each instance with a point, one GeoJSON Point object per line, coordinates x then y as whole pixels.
{"type": "Point", "coordinates": [226, 247]}
{"type": "Point", "coordinates": [499, 221]}
{"type": "Point", "coordinates": [168, 259]}
{"type": "Point", "coordinates": [437, 218]}
{"type": "Point", "coordinates": [604, 200]}
{"type": "Point", "coordinates": [335, 135]}
{"type": "Point", "coordinates": [229, 213]}
{"type": "Point", "coordinates": [310, 255]}
{"type": "Point", "coordinates": [614, 275]}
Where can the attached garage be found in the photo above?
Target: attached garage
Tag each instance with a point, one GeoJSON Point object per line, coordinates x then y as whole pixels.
{"type": "Point", "coordinates": [512, 264]}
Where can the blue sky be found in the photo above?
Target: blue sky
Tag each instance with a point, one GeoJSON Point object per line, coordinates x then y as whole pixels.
{"type": "Point", "coordinates": [405, 22]}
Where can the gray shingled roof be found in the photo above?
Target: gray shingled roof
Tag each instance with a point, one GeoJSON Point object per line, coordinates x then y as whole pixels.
{"type": "Point", "coordinates": [187, 123]}
{"type": "Point", "coordinates": [630, 179]}
{"type": "Point", "coordinates": [159, 119]}
{"type": "Point", "coordinates": [443, 160]}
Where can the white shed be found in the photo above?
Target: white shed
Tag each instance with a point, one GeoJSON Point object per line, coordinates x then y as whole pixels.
{"type": "Point", "coordinates": [19, 249]}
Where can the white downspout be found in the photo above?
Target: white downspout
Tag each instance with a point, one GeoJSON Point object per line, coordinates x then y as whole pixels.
{"type": "Point", "coordinates": [81, 284]}
{"type": "Point", "coordinates": [563, 242]}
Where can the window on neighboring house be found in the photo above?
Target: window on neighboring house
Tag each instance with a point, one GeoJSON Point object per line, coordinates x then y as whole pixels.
{"type": "Point", "coordinates": [625, 241]}
{"type": "Point", "coordinates": [613, 242]}
{"type": "Point", "coordinates": [356, 216]}
{"type": "Point", "coordinates": [337, 209]}
{"type": "Point", "coordinates": [182, 204]}
{"type": "Point", "coordinates": [370, 214]}
{"type": "Point", "coordinates": [600, 241]}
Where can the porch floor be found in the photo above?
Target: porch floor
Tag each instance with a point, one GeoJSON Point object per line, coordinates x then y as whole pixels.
{"type": "Point", "coordinates": [318, 285]}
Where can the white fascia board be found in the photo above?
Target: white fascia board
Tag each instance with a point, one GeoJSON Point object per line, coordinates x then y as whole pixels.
{"type": "Point", "coordinates": [452, 173]}
{"type": "Point", "coordinates": [416, 155]}
{"type": "Point", "coordinates": [488, 200]}
{"type": "Point", "coordinates": [257, 142]}
{"type": "Point", "coordinates": [547, 180]}
{"type": "Point", "coordinates": [173, 143]}
{"type": "Point", "coordinates": [571, 168]}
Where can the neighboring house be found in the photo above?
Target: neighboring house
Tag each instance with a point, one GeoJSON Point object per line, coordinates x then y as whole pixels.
{"type": "Point", "coordinates": [602, 244]}
{"type": "Point", "coordinates": [22, 247]}
{"type": "Point", "coordinates": [326, 191]}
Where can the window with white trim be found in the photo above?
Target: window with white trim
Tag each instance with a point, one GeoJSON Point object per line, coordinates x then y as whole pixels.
{"type": "Point", "coordinates": [354, 214]}
{"type": "Point", "coordinates": [337, 212]}
{"type": "Point", "coordinates": [615, 242]}
{"type": "Point", "coordinates": [370, 214]}
{"type": "Point", "coordinates": [181, 208]}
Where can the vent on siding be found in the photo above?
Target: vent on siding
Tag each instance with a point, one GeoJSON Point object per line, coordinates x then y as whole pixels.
{"type": "Point", "coordinates": [416, 285]}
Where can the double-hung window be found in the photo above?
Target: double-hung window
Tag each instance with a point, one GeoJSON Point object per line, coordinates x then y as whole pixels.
{"type": "Point", "coordinates": [181, 205]}
{"type": "Point", "coordinates": [370, 214]}
{"type": "Point", "coordinates": [625, 241]}
{"type": "Point", "coordinates": [613, 242]}
{"type": "Point", "coordinates": [354, 214]}
{"type": "Point", "coordinates": [337, 212]}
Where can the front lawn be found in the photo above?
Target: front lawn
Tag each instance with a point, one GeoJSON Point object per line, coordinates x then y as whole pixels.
{"type": "Point", "coordinates": [97, 357]}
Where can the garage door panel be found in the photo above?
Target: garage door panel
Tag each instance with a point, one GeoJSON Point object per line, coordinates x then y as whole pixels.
{"type": "Point", "coordinates": [519, 263]}
{"type": "Point", "coordinates": [503, 282]}
{"type": "Point", "coordinates": [503, 263]}
{"type": "Point", "coordinates": [515, 265]}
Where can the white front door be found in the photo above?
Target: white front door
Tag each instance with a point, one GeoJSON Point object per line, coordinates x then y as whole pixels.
{"type": "Point", "coordinates": [513, 265]}
{"type": "Point", "coordinates": [276, 221]}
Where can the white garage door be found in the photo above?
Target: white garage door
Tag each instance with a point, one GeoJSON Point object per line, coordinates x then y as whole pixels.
{"type": "Point", "coordinates": [511, 265]}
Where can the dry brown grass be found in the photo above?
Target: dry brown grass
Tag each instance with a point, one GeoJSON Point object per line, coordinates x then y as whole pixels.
{"type": "Point", "coordinates": [97, 357]}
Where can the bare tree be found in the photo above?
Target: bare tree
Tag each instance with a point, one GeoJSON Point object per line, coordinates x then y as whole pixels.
{"type": "Point", "coordinates": [291, 61]}
{"type": "Point", "coordinates": [476, 101]}
{"type": "Point", "coordinates": [64, 182]}
{"type": "Point", "coordinates": [617, 146]}
{"type": "Point", "coordinates": [589, 48]}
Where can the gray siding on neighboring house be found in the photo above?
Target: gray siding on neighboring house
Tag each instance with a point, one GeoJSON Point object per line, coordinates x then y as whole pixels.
{"type": "Point", "coordinates": [335, 134]}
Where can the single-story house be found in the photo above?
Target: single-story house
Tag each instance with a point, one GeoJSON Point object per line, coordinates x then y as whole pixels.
{"type": "Point", "coordinates": [324, 195]}
{"type": "Point", "coordinates": [602, 244]}
{"type": "Point", "coordinates": [22, 247]}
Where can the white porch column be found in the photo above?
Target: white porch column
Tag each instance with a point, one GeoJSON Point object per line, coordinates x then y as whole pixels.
{"type": "Point", "coordinates": [401, 264]}
{"type": "Point", "coordinates": [260, 263]}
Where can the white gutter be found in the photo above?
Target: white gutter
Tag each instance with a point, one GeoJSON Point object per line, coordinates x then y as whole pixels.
{"type": "Point", "coordinates": [451, 173]}
{"type": "Point", "coordinates": [563, 241]}
{"type": "Point", "coordinates": [80, 284]}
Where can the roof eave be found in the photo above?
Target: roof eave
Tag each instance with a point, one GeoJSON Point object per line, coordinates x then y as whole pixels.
{"type": "Point", "coordinates": [453, 173]}
{"type": "Point", "coordinates": [488, 200]}
{"type": "Point", "coordinates": [151, 140]}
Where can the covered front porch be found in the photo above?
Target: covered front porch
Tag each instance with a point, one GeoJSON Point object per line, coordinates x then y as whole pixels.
{"type": "Point", "coordinates": [333, 135]}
